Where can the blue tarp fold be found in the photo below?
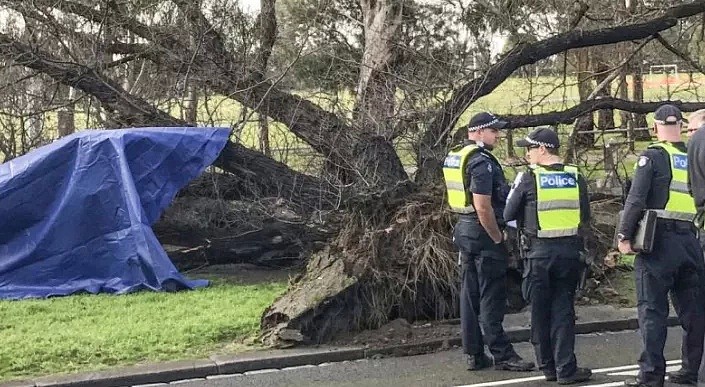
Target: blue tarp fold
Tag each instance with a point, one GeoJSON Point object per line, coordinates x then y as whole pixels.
{"type": "Point", "coordinates": [76, 215]}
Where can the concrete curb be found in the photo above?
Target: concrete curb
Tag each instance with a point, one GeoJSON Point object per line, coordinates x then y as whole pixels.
{"type": "Point", "coordinates": [276, 359]}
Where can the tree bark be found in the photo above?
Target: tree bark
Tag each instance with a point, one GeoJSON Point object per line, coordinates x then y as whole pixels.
{"type": "Point", "coordinates": [605, 117]}
{"type": "Point", "coordinates": [267, 21]}
{"type": "Point", "coordinates": [638, 96]}
{"type": "Point", "coordinates": [585, 86]}
{"type": "Point", "coordinates": [375, 89]}
{"type": "Point", "coordinates": [65, 116]}
{"type": "Point", "coordinates": [190, 105]}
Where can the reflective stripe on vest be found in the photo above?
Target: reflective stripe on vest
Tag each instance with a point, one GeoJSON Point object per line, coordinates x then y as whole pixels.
{"type": "Point", "coordinates": [557, 202]}
{"type": "Point", "coordinates": [454, 167]}
{"type": "Point", "coordinates": [680, 205]}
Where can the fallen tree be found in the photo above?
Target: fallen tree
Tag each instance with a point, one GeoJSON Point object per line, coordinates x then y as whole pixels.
{"type": "Point", "coordinates": [391, 255]}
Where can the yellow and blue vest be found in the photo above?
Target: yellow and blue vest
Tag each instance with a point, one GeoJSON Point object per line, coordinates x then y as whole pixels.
{"type": "Point", "coordinates": [680, 205]}
{"type": "Point", "coordinates": [557, 201]}
{"type": "Point", "coordinates": [454, 172]}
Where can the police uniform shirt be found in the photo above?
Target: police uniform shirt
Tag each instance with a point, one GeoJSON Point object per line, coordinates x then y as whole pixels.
{"type": "Point", "coordinates": [486, 177]}
{"type": "Point", "coordinates": [521, 204]}
{"type": "Point", "coordinates": [650, 187]}
{"type": "Point", "coordinates": [696, 167]}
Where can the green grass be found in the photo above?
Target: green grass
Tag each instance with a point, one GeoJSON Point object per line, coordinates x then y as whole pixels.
{"type": "Point", "coordinates": [622, 281]}
{"type": "Point", "coordinates": [89, 332]}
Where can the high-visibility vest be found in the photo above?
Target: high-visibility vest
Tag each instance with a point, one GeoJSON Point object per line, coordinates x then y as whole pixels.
{"type": "Point", "coordinates": [557, 202]}
{"type": "Point", "coordinates": [680, 205]}
{"type": "Point", "coordinates": [454, 172]}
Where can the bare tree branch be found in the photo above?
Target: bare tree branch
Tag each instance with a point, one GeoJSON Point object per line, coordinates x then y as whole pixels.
{"type": "Point", "coordinates": [569, 115]}
{"type": "Point", "coordinates": [131, 110]}
{"type": "Point", "coordinates": [680, 53]}
{"type": "Point", "coordinates": [616, 70]}
{"type": "Point", "coordinates": [260, 175]}
{"type": "Point", "coordinates": [432, 147]}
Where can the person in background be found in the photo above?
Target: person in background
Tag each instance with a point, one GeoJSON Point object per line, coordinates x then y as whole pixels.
{"type": "Point", "coordinates": [696, 185]}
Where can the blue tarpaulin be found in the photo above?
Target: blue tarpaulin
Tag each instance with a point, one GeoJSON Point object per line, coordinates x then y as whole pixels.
{"type": "Point", "coordinates": [76, 215]}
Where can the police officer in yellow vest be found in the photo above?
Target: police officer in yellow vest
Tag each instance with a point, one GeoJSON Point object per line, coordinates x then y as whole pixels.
{"type": "Point", "coordinates": [477, 191]}
{"type": "Point", "coordinates": [675, 263]}
{"type": "Point", "coordinates": [550, 204]}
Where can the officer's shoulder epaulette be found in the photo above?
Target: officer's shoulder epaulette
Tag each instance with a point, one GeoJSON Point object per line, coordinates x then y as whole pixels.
{"type": "Point", "coordinates": [652, 151]}
{"type": "Point", "coordinates": [478, 157]}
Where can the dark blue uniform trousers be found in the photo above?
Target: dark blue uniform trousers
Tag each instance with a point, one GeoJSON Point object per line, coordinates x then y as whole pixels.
{"type": "Point", "coordinates": [483, 298]}
{"type": "Point", "coordinates": [701, 372]}
{"type": "Point", "coordinates": [675, 265]}
{"type": "Point", "coordinates": [551, 275]}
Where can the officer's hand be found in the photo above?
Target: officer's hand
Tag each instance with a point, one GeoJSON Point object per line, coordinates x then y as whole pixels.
{"type": "Point", "coordinates": [498, 240]}
{"type": "Point", "coordinates": [625, 247]}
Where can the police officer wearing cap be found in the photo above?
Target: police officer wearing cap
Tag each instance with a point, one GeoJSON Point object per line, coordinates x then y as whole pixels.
{"type": "Point", "coordinates": [477, 191]}
{"type": "Point", "coordinates": [675, 263]}
{"type": "Point", "coordinates": [550, 204]}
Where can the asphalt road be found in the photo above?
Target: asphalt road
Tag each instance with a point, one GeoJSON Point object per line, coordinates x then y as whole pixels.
{"type": "Point", "coordinates": [612, 356]}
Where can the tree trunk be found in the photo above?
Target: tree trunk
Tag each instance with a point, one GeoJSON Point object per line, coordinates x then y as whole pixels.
{"type": "Point", "coordinates": [264, 136]}
{"type": "Point", "coordinates": [35, 121]}
{"type": "Point", "coordinates": [103, 57]}
{"type": "Point", "coordinates": [375, 89]}
{"type": "Point", "coordinates": [275, 243]}
{"type": "Point", "coordinates": [65, 116]}
{"type": "Point", "coordinates": [638, 96]}
{"type": "Point", "coordinates": [623, 92]}
{"type": "Point", "coordinates": [585, 86]}
{"type": "Point", "coordinates": [605, 117]}
{"type": "Point", "coordinates": [373, 151]}
{"type": "Point", "coordinates": [370, 261]}
{"type": "Point", "coordinates": [190, 105]}
{"type": "Point", "coordinates": [267, 36]}
{"type": "Point", "coordinates": [639, 120]}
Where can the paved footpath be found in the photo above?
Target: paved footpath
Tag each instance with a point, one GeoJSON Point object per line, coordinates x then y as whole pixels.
{"type": "Point", "coordinates": [611, 355]}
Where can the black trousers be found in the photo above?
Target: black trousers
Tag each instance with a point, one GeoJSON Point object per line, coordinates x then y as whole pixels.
{"type": "Point", "coordinates": [675, 265]}
{"type": "Point", "coordinates": [483, 301]}
{"type": "Point", "coordinates": [701, 371]}
{"type": "Point", "coordinates": [551, 274]}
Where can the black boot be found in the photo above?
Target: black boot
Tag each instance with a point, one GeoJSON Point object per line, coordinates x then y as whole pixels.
{"type": "Point", "coordinates": [478, 362]}
{"type": "Point", "coordinates": [682, 377]}
{"type": "Point", "coordinates": [580, 375]}
{"type": "Point", "coordinates": [636, 383]}
{"type": "Point", "coordinates": [515, 363]}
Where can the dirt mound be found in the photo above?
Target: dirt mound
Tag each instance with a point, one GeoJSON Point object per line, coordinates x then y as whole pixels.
{"type": "Point", "coordinates": [399, 332]}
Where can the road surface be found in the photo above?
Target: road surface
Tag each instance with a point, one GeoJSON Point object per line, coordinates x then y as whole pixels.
{"type": "Point", "coordinates": [612, 356]}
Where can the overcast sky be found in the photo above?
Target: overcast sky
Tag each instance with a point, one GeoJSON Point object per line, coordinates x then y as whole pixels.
{"type": "Point", "coordinates": [250, 5]}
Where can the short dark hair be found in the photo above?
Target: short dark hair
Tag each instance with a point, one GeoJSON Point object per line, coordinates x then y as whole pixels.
{"type": "Point", "coordinates": [552, 151]}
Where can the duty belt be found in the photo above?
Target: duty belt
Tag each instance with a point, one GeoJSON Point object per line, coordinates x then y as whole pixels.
{"type": "Point", "coordinates": [674, 215]}
{"type": "Point", "coordinates": [467, 210]}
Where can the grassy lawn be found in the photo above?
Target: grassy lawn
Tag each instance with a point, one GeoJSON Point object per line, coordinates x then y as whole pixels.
{"type": "Point", "coordinates": [622, 281]}
{"type": "Point", "coordinates": [88, 332]}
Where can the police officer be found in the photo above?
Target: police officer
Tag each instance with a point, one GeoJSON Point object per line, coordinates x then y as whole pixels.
{"type": "Point", "coordinates": [550, 204]}
{"type": "Point", "coordinates": [477, 191]}
{"type": "Point", "coordinates": [675, 262]}
{"type": "Point", "coordinates": [696, 183]}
